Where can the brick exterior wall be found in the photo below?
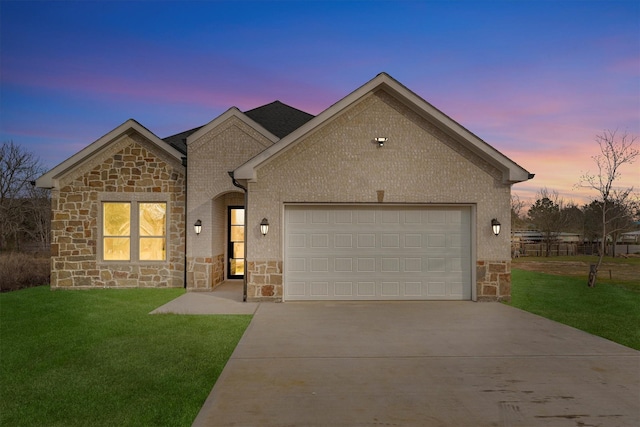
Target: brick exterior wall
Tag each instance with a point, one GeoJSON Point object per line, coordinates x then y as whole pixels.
{"type": "Point", "coordinates": [131, 169]}
{"type": "Point", "coordinates": [220, 149]}
{"type": "Point", "coordinates": [420, 164]}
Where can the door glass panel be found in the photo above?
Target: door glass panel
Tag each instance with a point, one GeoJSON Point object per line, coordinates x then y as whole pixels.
{"type": "Point", "coordinates": [236, 243]}
{"type": "Point", "coordinates": [237, 233]}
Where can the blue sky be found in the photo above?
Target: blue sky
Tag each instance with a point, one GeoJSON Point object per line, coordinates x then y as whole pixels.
{"type": "Point", "coordinates": [535, 79]}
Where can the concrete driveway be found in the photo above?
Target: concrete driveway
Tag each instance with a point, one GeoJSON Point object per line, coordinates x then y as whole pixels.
{"type": "Point", "coordinates": [421, 364]}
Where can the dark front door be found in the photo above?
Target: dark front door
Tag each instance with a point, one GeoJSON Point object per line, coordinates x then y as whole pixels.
{"type": "Point", "coordinates": [235, 251]}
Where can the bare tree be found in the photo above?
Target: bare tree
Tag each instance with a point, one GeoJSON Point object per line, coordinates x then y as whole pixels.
{"type": "Point", "coordinates": [22, 207]}
{"type": "Point", "coordinates": [517, 206]}
{"type": "Point", "coordinates": [548, 216]}
{"type": "Point", "coordinates": [614, 203]}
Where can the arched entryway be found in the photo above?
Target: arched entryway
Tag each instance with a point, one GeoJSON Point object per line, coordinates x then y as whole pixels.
{"type": "Point", "coordinates": [227, 240]}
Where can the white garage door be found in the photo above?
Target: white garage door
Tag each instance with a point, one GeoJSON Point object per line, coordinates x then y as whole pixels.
{"type": "Point", "coordinates": [377, 253]}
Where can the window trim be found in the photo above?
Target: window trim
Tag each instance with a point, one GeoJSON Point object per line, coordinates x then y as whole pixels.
{"type": "Point", "coordinates": [134, 199]}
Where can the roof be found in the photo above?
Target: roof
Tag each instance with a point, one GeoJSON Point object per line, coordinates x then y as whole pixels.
{"type": "Point", "coordinates": [278, 118]}
{"type": "Point", "coordinates": [511, 171]}
{"type": "Point", "coordinates": [179, 140]}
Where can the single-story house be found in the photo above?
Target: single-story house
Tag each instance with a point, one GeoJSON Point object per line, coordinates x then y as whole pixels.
{"type": "Point", "coordinates": [379, 197]}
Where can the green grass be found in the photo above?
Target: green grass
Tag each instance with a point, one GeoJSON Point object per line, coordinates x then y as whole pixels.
{"type": "Point", "coordinates": [80, 358]}
{"type": "Point", "coordinates": [609, 311]}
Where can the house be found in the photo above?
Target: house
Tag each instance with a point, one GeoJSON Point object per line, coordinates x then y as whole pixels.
{"type": "Point", "coordinates": [379, 197]}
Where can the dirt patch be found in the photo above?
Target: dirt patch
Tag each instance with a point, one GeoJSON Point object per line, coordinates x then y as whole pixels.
{"type": "Point", "coordinates": [627, 272]}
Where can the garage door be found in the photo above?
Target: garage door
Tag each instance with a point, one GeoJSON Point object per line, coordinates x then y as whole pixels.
{"type": "Point", "coordinates": [377, 253]}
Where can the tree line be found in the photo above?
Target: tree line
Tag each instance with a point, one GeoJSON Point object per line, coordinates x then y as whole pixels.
{"type": "Point", "coordinates": [551, 215]}
{"type": "Point", "coordinates": [25, 211]}
{"type": "Point", "coordinates": [612, 211]}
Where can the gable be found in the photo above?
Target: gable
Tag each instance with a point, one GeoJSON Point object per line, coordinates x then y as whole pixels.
{"type": "Point", "coordinates": [511, 172]}
{"type": "Point", "coordinates": [336, 163]}
{"type": "Point", "coordinates": [105, 144]}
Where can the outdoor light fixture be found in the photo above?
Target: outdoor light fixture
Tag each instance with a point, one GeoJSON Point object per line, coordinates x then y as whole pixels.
{"type": "Point", "coordinates": [197, 227]}
{"type": "Point", "coordinates": [495, 225]}
{"type": "Point", "coordinates": [380, 140]}
{"type": "Point", "coordinates": [264, 226]}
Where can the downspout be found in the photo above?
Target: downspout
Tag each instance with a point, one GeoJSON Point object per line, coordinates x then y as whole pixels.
{"type": "Point", "coordinates": [186, 227]}
{"type": "Point", "coordinates": [246, 205]}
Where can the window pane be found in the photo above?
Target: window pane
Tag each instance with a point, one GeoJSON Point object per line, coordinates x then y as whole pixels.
{"type": "Point", "coordinates": [153, 219]}
{"type": "Point", "coordinates": [237, 216]}
{"type": "Point", "coordinates": [116, 219]}
{"type": "Point", "coordinates": [152, 249]}
{"type": "Point", "coordinates": [116, 248]}
{"type": "Point", "coordinates": [237, 233]}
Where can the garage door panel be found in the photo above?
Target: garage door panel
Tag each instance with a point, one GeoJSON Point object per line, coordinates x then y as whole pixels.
{"type": "Point", "coordinates": [377, 253]}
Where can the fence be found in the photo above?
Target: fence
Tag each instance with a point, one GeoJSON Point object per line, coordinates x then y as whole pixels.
{"type": "Point", "coordinates": [568, 249]}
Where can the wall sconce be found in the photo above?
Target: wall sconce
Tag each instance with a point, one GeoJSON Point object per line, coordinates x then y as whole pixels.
{"type": "Point", "coordinates": [380, 140]}
{"type": "Point", "coordinates": [495, 226]}
{"type": "Point", "coordinates": [264, 226]}
{"type": "Point", "coordinates": [197, 227]}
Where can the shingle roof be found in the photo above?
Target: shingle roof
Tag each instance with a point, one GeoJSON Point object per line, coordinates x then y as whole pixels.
{"type": "Point", "coordinates": [278, 118]}
{"type": "Point", "coordinates": [177, 141]}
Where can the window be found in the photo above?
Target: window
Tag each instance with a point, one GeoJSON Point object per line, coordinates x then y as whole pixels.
{"type": "Point", "coordinates": [134, 231]}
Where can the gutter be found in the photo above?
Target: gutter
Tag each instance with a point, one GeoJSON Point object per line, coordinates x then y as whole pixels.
{"type": "Point", "coordinates": [246, 205]}
{"type": "Point", "coordinates": [186, 227]}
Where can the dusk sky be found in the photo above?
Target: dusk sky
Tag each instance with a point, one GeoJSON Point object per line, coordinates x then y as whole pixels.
{"type": "Point", "coordinates": [538, 80]}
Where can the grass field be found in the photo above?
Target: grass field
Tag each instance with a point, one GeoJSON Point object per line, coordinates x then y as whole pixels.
{"type": "Point", "coordinates": [97, 358]}
{"type": "Point", "coordinates": [80, 358]}
{"type": "Point", "coordinates": [609, 310]}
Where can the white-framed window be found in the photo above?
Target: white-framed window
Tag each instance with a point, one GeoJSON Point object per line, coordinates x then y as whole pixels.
{"type": "Point", "coordinates": [133, 230]}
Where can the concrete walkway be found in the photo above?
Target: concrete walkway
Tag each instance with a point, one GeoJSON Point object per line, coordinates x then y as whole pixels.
{"type": "Point", "coordinates": [421, 364]}
{"type": "Point", "coordinates": [225, 299]}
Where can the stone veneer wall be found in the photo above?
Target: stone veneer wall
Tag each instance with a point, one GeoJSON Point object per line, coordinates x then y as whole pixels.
{"type": "Point", "coordinates": [129, 170]}
{"type": "Point", "coordinates": [493, 280]}
{"type": "Point", "coordinates": [264, 280]}
{"type": "Point", "coordinates": [204, 273]}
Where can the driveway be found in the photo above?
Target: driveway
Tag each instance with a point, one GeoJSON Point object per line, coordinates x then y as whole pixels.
{"type": "Point", "coordinates": [421, 364]}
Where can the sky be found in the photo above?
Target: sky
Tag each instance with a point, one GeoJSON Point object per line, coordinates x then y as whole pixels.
{"type": "Point", "coordinates": [537, 80]}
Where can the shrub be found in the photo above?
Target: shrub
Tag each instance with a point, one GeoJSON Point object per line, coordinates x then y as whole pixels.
{"type": "Point", "coordinates": [20, 270]}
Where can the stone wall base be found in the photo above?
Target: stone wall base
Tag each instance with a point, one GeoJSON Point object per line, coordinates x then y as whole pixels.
{"type": "Point", "coordinates": [493, 280]}
{"type": "Point", "coordinates": [264, 280]}
{"type": "Point", "coordinates": [205, 273]}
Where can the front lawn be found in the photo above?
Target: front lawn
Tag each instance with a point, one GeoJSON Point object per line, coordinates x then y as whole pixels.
{"type": "Point", "coordinates": [608, 310]}
{"type": "Point", "coordinates": [80, 358]}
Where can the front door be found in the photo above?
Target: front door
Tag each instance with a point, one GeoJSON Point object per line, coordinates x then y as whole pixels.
{"type": "Point", "coordinates": [235, 247]}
